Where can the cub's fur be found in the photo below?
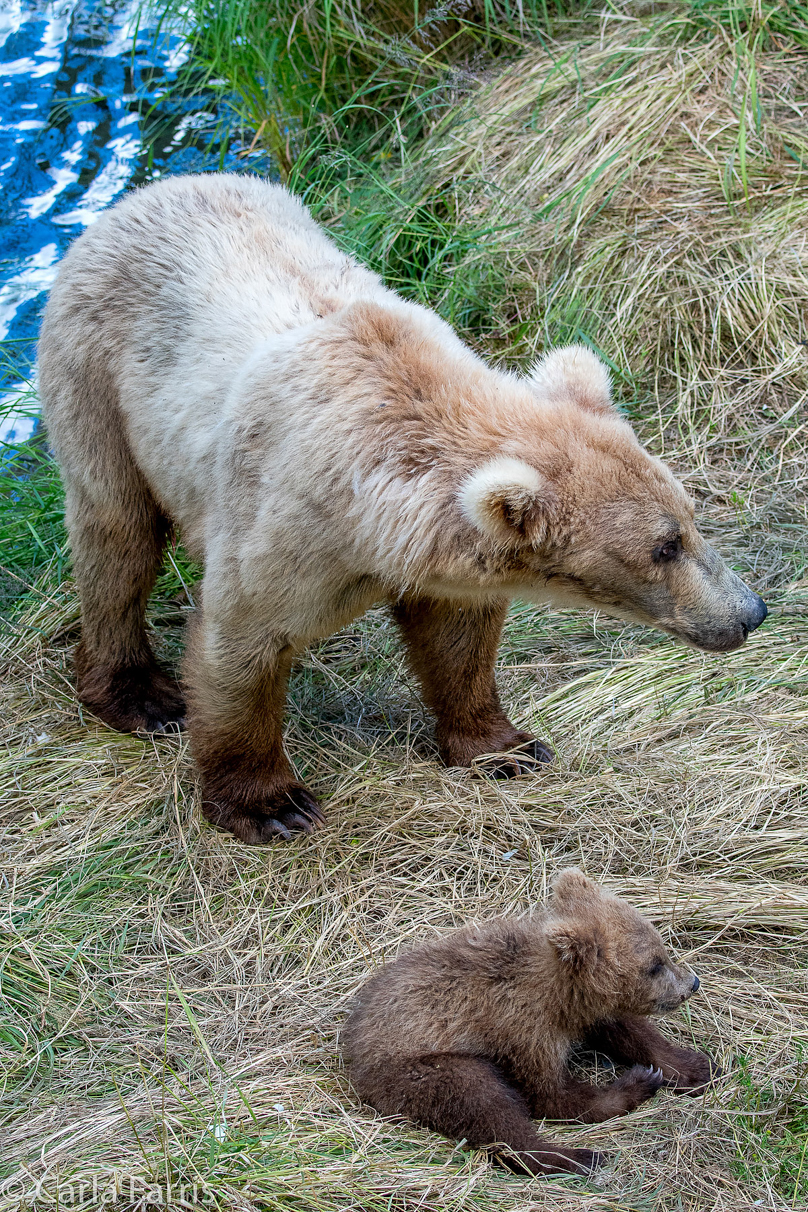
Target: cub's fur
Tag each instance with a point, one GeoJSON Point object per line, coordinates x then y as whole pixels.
{"type": "Point", "coordinates": [470, 1035]}
{"type": "Point", "coordinates": [210, 360]}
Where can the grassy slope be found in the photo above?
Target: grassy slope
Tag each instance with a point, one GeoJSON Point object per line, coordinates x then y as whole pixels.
{"type": "Point", "coordinates": [636, 180]}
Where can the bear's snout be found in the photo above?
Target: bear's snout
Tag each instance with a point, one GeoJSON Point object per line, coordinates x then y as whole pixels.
{"type": "Point", "coordinates": [688, 984]}
{"type": "Point", "coordinates": [752, 613]}
{"type": "Point", "coordinates": [725, 613]}
{"type": "Point", "coordinates": [757, 613]}
{"type": "Point", "coordinates": [678, 987]}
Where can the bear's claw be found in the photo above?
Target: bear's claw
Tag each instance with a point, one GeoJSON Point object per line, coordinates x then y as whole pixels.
{"type": "Point", "coordinates": [522, 759]}
{"type": "Point", "coordinates": [638, 1084]}
{"type": "Point", "coordinates": [549, 1159]}
{"type": "Point", "coordinates": [584, 1161]}
{"type": "Point", "coordinates": [131, 698]}
{"type": "Point", "coordinates": [293, 809]}
{"type": "Point", "coordinates": [168, 726]}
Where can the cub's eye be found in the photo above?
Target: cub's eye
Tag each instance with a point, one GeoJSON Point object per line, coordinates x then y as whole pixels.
{"type": "Point", "coordinates": [657, 967]}
{"type": "Point", "coordinates": [668, 551]}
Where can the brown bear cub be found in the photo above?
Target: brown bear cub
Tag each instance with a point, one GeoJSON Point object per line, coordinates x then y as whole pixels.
{"type": "Point", "coordinates": [470, 1035]}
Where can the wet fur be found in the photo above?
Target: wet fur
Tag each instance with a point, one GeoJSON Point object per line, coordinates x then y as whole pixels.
{"type": "Point", "coordinates": [209, 360]}
{"type": "Point", "coordinates": [470, 1035]}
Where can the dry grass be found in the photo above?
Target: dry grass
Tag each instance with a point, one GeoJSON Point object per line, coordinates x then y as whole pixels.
{"type": "Point", "coordinates": [164, 979]}
{"type": "Point", "coordinates": [653, 194]}
{"type": "Point", "coordinates": [173, 998]}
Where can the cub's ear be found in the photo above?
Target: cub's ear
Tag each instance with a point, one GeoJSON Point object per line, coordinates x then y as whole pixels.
{"type": "Point", "coordinates": [508, 500]}
{"type": "Point", "coordinates": [571, 887]}
{"type": "Point", "coordinates": [579, 945]}
{"type": "Point", "coordinates": [573, 374]}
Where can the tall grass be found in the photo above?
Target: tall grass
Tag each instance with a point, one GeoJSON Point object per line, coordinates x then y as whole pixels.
{"type": "Point", "coordinates": [32, 536]}
{"type": "Point", "coordinates": [766, 22]}
{"type": "Point", "coordinates": [342, 93]}
{"type": "Point", "coordinates": [633, 177]}
{"type": "Point", "coordinates": [345, 68]}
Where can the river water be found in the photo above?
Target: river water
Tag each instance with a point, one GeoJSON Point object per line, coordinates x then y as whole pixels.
{"type": "Point", "coordinates": [84, 86]}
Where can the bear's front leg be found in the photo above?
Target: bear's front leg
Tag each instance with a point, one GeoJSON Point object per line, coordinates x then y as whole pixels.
{"type": "Point", "coordinates": [633, 1040]}
{"type": "Point", "coordinates": [452, 650]}
{"type": "Point", "coordinates": [236, 696]}
{"type": "Point", "coordinates": [574, 1100]}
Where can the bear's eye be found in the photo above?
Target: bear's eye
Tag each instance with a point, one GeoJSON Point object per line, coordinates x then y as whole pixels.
{"type": "Point", "coordinates": [656, 967]}
{"type": "Point", "coordinates": [668, 551]}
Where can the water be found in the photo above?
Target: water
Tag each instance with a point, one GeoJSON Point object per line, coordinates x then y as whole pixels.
{"type": "Point", "coordinates": [80, 81]}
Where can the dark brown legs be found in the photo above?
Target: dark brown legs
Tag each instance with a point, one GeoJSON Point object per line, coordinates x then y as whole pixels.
{"type": "Point", "coordinates": [592, 1104]}
{"type": "Point", "coordinates": [452, 650]}
{"type": "Point", "coordinates": [636, 1041]}
{"type": "Point", "coordinates": [236, 703]}
{"type": "Point", "coordinates": [117, 554]}
{"type": "Point", "coordinates": [467, 1098]}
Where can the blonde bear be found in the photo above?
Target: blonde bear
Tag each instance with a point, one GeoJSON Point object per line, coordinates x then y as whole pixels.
{"type": "Point", "coordinates": [212, 363]}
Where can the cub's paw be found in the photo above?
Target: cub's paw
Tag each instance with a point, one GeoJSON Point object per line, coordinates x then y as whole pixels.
{"type": "Point", "coordinates": [637, 1085]}
{"type": "Point", "coordinates": [523, 758]}
{"type": "Point", "coordinates": [551, 1159]}
{"type": "Point", "coordinates": [580, 1161]}
{"type": "Point", "coordinates": [290, 809]}
{"type": "Point", "coordinates": [691, 1072]}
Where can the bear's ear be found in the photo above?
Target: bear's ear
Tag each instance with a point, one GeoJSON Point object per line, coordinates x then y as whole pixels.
{"type": "Point", "coordinates": [572, 888]}
{"type": "Point", "coordinates": [579, 945]}
{"type": "Point", "coordinates": [573, 374]}
{"type": "Point", "coordinates": [508, 500]}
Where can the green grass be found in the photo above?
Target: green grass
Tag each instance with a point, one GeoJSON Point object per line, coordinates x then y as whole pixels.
{"type": "Point", "coordinates": [761, 22]}
{"type": "Point", "coordinates": [32, 534]}
{"type": "Point", "coordinates": [358, 78]}
{"type": "Point", "coordinates": [772, 1134]}
{"type": "Point", "coordinates": [631, 177]}
{"type": "Point", "coordinates": [341, 100]}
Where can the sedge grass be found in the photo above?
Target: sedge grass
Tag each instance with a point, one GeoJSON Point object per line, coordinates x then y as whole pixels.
{"type": "Point", "coordinates": [169, 990]}
{"type": "Point", "coordinates": [172, 999]}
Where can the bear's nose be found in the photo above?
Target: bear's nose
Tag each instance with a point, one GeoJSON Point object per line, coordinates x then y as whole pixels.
{"type": "Point", "coordinates": [696, 983]}
{"type": "Point", "coordinates": [757, 613]}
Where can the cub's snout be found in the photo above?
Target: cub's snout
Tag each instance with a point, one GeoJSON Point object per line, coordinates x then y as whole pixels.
{"type": "Point", "coordinates": [678, 987]}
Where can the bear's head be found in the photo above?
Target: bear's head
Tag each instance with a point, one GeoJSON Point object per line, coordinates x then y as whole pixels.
{"type": "Point", "coordinates": [610, 959]}
{"type": "Point", "coordinates": [581, 514]}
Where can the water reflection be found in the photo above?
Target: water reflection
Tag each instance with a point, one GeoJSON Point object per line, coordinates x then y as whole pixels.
{"type": "Point", "coordinates": [80, 80]}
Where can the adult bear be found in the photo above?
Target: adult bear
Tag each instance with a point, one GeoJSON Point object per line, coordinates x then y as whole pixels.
{"type": "Point", "coordinates": [209, 359]}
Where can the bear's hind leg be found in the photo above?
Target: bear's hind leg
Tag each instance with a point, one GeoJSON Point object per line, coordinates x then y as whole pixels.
{"type": "Point", "coordinates": [467, 1098]}
{"type": "Point", "coordinates": [452, 650]}
{"type": "Point", "coordinates": [117, 551]}
{"type": "Point", "coordinates": [236, 698]}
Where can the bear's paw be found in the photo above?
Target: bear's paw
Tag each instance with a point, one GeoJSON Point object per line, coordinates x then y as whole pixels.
{"type": "Point", "coordinates": [288, 810]}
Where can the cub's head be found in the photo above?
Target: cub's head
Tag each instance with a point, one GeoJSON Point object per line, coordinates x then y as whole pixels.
{"type": "Point", "coordinates": [580, 514]}
{"type": "Point", "coordinates": [610, 959]}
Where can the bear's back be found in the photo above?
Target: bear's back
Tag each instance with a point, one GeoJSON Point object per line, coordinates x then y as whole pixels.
{"type": "Point", "coordinates": [158, 307]}
{"type": "Point", "coordinates": [200, 263]}
{"type": "Point", "coordinates": [454, 995]}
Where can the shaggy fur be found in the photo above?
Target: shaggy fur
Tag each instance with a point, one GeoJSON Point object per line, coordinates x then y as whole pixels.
{"type": "Point", "coordinates": [210, 360]}
{"type": "Point", "coordinates": [470, 1035]}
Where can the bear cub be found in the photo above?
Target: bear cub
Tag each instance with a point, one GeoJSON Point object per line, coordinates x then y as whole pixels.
{"type": "Point", "coordinates": [470, 1035]}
